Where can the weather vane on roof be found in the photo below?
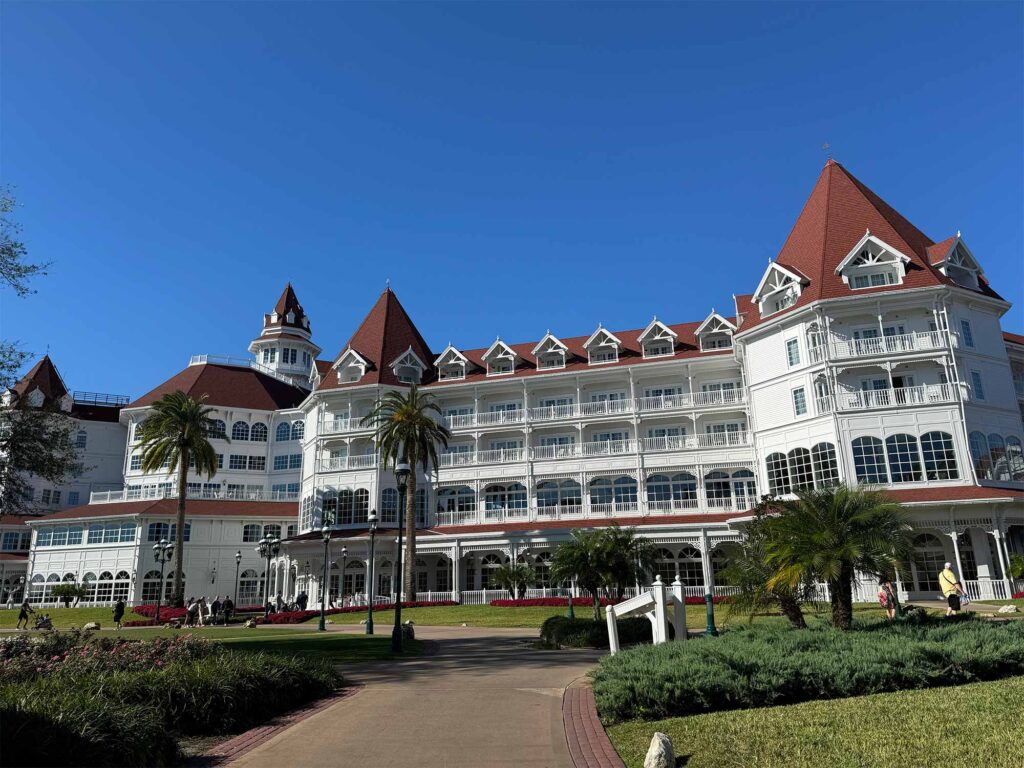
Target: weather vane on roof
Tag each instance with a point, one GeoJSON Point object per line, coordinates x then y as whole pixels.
{"type": "Point", "coordinates": [827, 149]}
{"type": "Point", "coordinates": [387, 282]}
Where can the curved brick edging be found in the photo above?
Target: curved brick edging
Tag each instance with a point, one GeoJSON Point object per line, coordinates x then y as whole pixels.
{"type": "Point", "coordinates": [589, 745]}
{"type": "Point", "coordinates": [235, 747]}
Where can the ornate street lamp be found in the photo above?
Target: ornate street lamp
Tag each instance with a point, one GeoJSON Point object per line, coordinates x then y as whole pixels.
{"type": "Point", "coordinates": [238, 564]}
{"type": "Point", "coordinates": [163, 550]}
{"type": "Point", "coordinates": [341, 579]}
{"type": "Point", "coordinates": [372, 520]}
{"type": "Point", "coordinates": [401, 477]}
{"type": "Point", "coordinates": [326, 533]}
{"type": "Point", "coordinates": [268, 548]}
{"type": "Point", "coordinates": [394, 573]}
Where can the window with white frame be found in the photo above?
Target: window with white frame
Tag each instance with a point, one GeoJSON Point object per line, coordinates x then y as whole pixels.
{"type": "Point", "coordinates": [793, 352]}
{"type": "Point", "coordinates": [799, 401]}
{"type": "Point", "coordinates": [977, 385]}
{"type": "Point", "coordinates": [236, 461]}
{"type": "Point", "coordinates": [967, 333]}
{"type": "Point", "coordinates": [257, 463]}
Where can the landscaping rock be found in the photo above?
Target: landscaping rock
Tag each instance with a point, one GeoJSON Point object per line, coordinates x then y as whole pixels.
{"type": "Point", "coordinates": [1009, 609]}
{"type": "Point", "coordinates": [661, 754]}
{"type": "Point", "coordinates": [91, 625]}
{"type": "Point", "coordinates": [362, 621]}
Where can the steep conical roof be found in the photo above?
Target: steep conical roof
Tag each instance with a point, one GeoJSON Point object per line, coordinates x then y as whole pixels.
{"type": "Point", "coordinates": [288, 302]}
{"type": "Point", "coordinates": [44, 377]}
{"type": "Point", "coordinates": [385, 333]}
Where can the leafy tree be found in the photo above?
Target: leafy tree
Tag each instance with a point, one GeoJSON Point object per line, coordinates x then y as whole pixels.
{"type": "Point", "coordinates": [1017, 566]}
{"type": "Point", "coordinates": [407, 428]}
{"type": "Point", "coordinates": [513, 576]}
{"type": "Point", "coordinates": [832, 533]}
{"type": "Point", "coordinates": [628, 558]}
{"type": "Point", "coordinates": [15, 270]}
{"type": "Point", "coordinates": [68, 592]}
{"type": "Point", "coordinates": [174, 435]}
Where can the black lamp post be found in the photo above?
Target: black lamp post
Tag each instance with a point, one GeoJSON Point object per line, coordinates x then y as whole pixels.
{"type": "Point", "coordinates": [341, 579]}
{"type": "Point", "coordinates": [163, 550]}
{"type": "Point", "coordinates": [268, 548]}
{"type": "Point", "coordinates": [372, 520]}
{"type": "Point", "coordinates": [326, 532]}
{"type": "Point", "coordinates": [394, 573]}
{"type": "Point", "coordinates": [402, 477]}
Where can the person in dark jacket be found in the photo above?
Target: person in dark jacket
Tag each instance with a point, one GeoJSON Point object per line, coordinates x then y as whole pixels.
{"type": "Point", "coordinates": [228, 606]}
{"type": "Point", "coordinates": [118, 612]}
{"type": "Point", "coordinates": [26, 609]}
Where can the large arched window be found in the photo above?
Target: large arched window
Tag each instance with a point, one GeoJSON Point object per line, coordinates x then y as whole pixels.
{"type": "Point", "coordinates": [362, 506]}
{"type": "Point", "coordinates": [258, 433]}
{"type": "Point", "coordinates": [239, 431]}
{"type": "Point", "coordinates": [89, 582]}
{"type": "Point", "coordinates": [105, 587]}
{"type": "Point", "coordinates": [939, 456]}
{"type": "Point", "coordinates": [329, 507]}
{"type": "Point", "coordinates": [389, 505]}
{"type": "Point", "coordinates": [665, 565]}
{"type": "Point", "coordinates": [980, 455]}
{"type": "Point", "coordinates": [542, 570]}
{"type": "Point", "coordinates": [904, 464]}
{"type": "Point", "coordinates": [869, 460]}
{"type": "Point", "coordinates": [552, 493]}
{"type": "Point", "coordinates": [718, 489]}
{"type": "Point", "coordinates": [691, 569]}
{"type": "Point", "coordinates": [248, 588]}
{"type": "Point", "coordinates": [218, 429]}
{"type": "Point", "coordinates": [929, 556]}
{"type": "Point", "coordinates": [684, 490]}
{"type": "Point", "coordinates": [488, 565]}
{"type": "Point", "coordinates": [744, 487]}
{"type": "Point", "coordinates": [515, 496]}
{"type": "Point", "coordinates": [460, 499]}
{"type": "Point", "coordinates": [800, 472]}
{"type": "Point", "coordinates": [283, 433]}
{"type": "Point", "coordinates": [625, 490]}
{"type": "Point", "coordinates": [1015, 458]}
{"type": "Point", "coordinates": [151, 587]}
{"type": "Point", "coordinates": [997, 457]}
{"type": "Point", "coordinates": [298, 430]}
{"type": "Point", "coordinates": [601, 490]}
{"type": "Point", "coordinates": [659, 491]}
{"type": "Point", "coordinates": [345, 507]}
{"type": "Point", "coordinates": [778, 474]}
{"type": "Point", "coordinates": [823, 460]}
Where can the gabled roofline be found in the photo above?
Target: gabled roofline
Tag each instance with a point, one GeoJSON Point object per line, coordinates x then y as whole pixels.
{"type": "Point", "coordinates": [959, 242]}
{"type": "Point", "coordinates": [656, 323]}
{"type": "Point", "coordinates": [499, 343]}
{"type": "Point", "coordinates": [552, 337]}
{"type": "Point", "coordinates": [448, 349]}
{"type": "Point", "coordinates": [793, 274]}
{"type": "Point", "coordinates": [606, 332]}
{"type": "Point", "coordinates": [409, 351]}
{"type": "Point", "coordinates": [350, 351]}
{"type": "Point", "coordinates": [714, 316]}
{"type": "Point", "coordinates": [869, 238]}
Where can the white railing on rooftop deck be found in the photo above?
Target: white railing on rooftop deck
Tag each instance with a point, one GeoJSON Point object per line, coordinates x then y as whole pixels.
{"type": "Point", "coordinates": [296, 380]}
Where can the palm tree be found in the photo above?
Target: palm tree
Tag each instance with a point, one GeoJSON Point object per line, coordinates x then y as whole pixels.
{"type": "Point", "coordinates": [406, 429]}
{"type": "Point", "coordinates": [628, 558]}
{"type": "Point", "coordinates": [174, 435]}
{"type": "Point", "coordinates": [831, 533]}
{"type": "Point", "coordinates": [583, 559]}
{"type": "Point", "coordinates": [513, 577]}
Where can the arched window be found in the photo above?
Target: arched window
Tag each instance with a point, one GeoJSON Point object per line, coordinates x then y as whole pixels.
{"type": "Point", "coordinates": [151, 587]}
{"type": "Point", "coordinates": [869, 460]}
{"type": "Point", "coordinates": [515, 496]}
{"type": "Point", "coordinates": [218, 429]}
{"type": "Point", "coordinates": [778, 474]}
{"type": "Point", "coordinates": [601, 491]}
{"type": "Point", "coordinates": [488, 564]}
{"type": "Point", "coordinates": [684, 491]}
{"type": "Point", "coordinates": [248, 588]}
{"type": "Point", "coordinates": [258, 434]}
{"type": "Point", "coordinates": [389, 505]}
{"type": "Point", "coordinates": [659, 492]}
{"type": "Point", "coordinates": [800, 473]}
{"type": "Point", "coordinates": [718, 489]}
{"type": "Point", "coordinates": [691, 570]}
{"type": "Point", "coordinates": [272, 531]}
{"type": "Point", "coordinates": [298, 430]}
{"type": "Point", "coordinates": [283, 433]}
{"type": "Point", "coordinates": [105, 587]}
{"type": "Point", "coordinates": [542, 570]}
{"type": "Point", "coordinates": [345, 507]}
{"type": "Point", "coordinates": [460, 499]}
{"type": "Point", "coordinates": [625, 490]}
{"type": "Point", "coordinates": [81, 439]}
{"type": "Point", "coordinates": [720, 559]}
{"type": "Point", "coordinates": [997, 457]}
{"type": "Point", "coordinates": [823, 460]}
{"type": "Point", "coordinates": [494, 497]}
{"type": "Point", "coordinates": [980, 455]}
{"type": "Point", "coordinates": [362, 505]}
{"type": "Point", "coordinates": [744, 487]}
{"type": "Point", "coordinates": [329, 507]}
{"type": "Point", "coordinates": [665, 565]}
{"type": "Point", "coordinates": [570, 494]}
{"type": "Point", "coordinates": [904, 464]}
{"type": "Point", "coordinates": [239, 431]}
{"type": "Point", "coordinates": [1015, 458]}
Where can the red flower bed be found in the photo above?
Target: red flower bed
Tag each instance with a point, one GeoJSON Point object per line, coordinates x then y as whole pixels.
{"type": "Point", "coordinates": [297, 617]}
{"type": "Point", "coordinates": [166, 612]}
{"type": "Point", "coordinates": [1018, 595]}
{"type": "Point", "coordinates": [580, 602]}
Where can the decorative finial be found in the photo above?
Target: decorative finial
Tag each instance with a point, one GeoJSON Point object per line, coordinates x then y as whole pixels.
{"type": "Point", "coordinates": [387, 284]}
{"type": "Point", "coordinates": [958, 233]}
{"type": "Point", "coordinates": [827, 149]}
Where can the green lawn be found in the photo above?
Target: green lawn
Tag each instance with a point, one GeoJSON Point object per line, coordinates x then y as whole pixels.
{"type": "Point", "coordinates": [63, 618]}
{"type": "Point", "coordinates": [976, 724]}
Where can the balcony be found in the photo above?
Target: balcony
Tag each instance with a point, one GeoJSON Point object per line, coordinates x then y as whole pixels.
{"type": "Point", "coordinates": [342, 463]}
{"type": "Point", "coordinates": [495, 418]}
{"type": "Point", "coordinates": [870, 399]}
{"type": "Point", "coordinates": [588, 510]}
{"type": "Point", "coordinates": [144, 493]}
{"type": "Point", "coordinates": [694, 442]}
{"type": "Point", "coordinates": [926, 341]}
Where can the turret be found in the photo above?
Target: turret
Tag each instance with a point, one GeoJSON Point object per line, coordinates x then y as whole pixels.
{"type": "Point", "coordinates": [285, 345]}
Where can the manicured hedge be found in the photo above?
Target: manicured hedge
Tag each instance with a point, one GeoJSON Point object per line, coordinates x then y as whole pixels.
{"type": "Point", "coordinates": [765, 666]}
{"type": "Point", "coordinates": [297, 617]}
{"type": "Point", "coordinates": [560, 631]}
{"type": "Point", "coordinates": [581, 602]}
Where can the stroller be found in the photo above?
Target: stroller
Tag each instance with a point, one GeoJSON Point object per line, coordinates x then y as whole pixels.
{"type": "Point", "coordinates": [43, 622]}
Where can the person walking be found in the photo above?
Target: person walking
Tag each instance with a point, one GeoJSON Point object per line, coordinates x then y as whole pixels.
{"type": "Point", "coordinates": [887, 598]}
{"type": "Point", "coordinates": [215, 609]}
{"type": "Point", "coordinates": [118, 612]}
{"type": "Point", "coordinates": [26, 609]}
{"type": "Point", "coordinates": [228, 607]}
{"type": "Point", "coordinates": [952, 590]}
{"type": "Point", "coordinates": [191, 612]}
{"type": "Point", "coordinates": [204, 609]}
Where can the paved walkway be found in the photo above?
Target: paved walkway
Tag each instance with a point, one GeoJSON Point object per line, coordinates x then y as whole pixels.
{"type": "Point", "coordinates": [486, 698]}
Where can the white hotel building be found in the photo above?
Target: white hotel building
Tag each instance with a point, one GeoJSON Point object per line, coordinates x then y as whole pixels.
{"type": "Point", "coordinates": [866, 352]}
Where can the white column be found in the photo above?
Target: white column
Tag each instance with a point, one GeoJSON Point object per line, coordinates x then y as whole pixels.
{"type": "Point", "coordinates": [956, 555]}
{"type": "Point", "coordinates": [1004, 566]}
{"type": "Point", "coordinates": [705, 559]}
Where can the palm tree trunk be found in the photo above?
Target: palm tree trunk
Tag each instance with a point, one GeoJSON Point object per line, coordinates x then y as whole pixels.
{"type": "Point", "coordinates": [841, 593]}
{"type": "Point", "coordinates": [179, 538]}
{"type": "Point", "coordinates": [596, 594]}
{"type": "Point", "coordinates": [410, 535]}
{"type": "Point", "coordinates": [790, 608]}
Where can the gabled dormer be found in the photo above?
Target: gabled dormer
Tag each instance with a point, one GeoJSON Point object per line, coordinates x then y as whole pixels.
{"type": "Point", "coordinates": [873, 263]}
{"type": "Point", "coordinates": [351, 367]}
{"type": "Point", "coordinates": [715, 332]}
{"type": "Point", "coordinates": [408, 368]}
{"type": "Point", "coordinates": [780, 287]}
{"type": "Point", "coordinates": [500, 359]}
{"type": "Point", "coordinates": [550, 353]}
{"type": "Point", "coordinates": [451, 364]}
{"type": "Point", "coordinates": [602, 347]}
{"type": "Point", "coordinates": [954, 259]}
{"type": "Point", "coordinates": [657, 340]}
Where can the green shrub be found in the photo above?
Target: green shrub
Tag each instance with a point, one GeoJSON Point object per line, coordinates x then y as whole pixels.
{"type": "Point", "coordinates": [586, 633]}
{"type": "Point", "coordinates": [49, 726]}
{"type": "Point", "coordinates": [765, 666]}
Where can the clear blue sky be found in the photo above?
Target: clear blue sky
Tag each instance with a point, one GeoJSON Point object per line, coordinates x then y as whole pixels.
{"type": "Point", "coordinates": [511, 168]}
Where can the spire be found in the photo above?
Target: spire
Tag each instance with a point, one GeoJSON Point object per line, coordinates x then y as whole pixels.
{"type": "Point", "coordinates": [44, 377]}
{"type": "Point", "coordinates": [288, 313]}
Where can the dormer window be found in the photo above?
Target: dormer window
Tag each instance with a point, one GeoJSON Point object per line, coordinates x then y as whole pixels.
{"type": "Point", "coordinates": [657, 340]}
{"type": "Point", "coordinates": [451, 364]}
{"type": "Point", "coordinates": [715, 332]}
{"type": "Point", "coordinates": [351, 367]}
{"type": "Point", "coordinates": [290, 317]}
{"type": "Point", "coordinates": [408, 368]}
{"type": "Point", "coordinates": [500, 359]}
{"type": "Point", "coordinates": [602, 347]}
{"type": "Point", "coordinates": [779, 289]}
{"type": "Point", "coordinates": [959, 264]}
{"type": "Point", "coordinates": [872, 264]}
{"type": "Point", "coordinates": [550, 353]}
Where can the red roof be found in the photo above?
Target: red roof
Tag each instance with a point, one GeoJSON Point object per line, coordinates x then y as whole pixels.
{"type": "Point", "coordinates": [384, 335]}
{"type": "Point", "coordinates": [169, 507]}
{"type": "Point", "coordinates": [937, 253]}
{"type": "Point", "coordinates": [1013, 338]}
{"type": "Point", "coordinates": [839, 211]}
{"type": "Point", "coordinates": [15, 556]}
{"type": "Point", "coordinates": [16, 519]}
{"type": "Point", "coordinates": [288, 302]}
{"type": "Point", "coordinates": [953, 493]}
{"type": "Point", "coordinates": [44, 377]}
{"type": "Point", "coordinates": [228, 385]}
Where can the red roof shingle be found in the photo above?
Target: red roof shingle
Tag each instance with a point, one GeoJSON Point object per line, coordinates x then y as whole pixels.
{"type": "Point", "coordinates": [227, 385]}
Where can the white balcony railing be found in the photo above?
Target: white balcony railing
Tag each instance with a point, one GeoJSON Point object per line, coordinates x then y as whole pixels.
{"type": "Point", "coordinates": [888, 345]}
{"type": "Point", "coordinates": [299, 379]}
{"type": "Point", "coordinates": [562, 451]}
{"type": "Point", "coordinates": [925, 394]}
{"type": "Point", "coordinates": [341, 463]}
{"type": "Point", "coordinates": [692, 442]}
{"type": "Point", "coordinates": [608, 447]}
{"type": "Point", "coordinates": [824, 405]}
{"type": "Point", "coordinates": [606, 407]}
{"type": "Point", "coordinates": [501, 456]}
{"type": "Point", "coordinates": [492, 418]}
{"type": "Point", "coordinates": [150, 492]}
